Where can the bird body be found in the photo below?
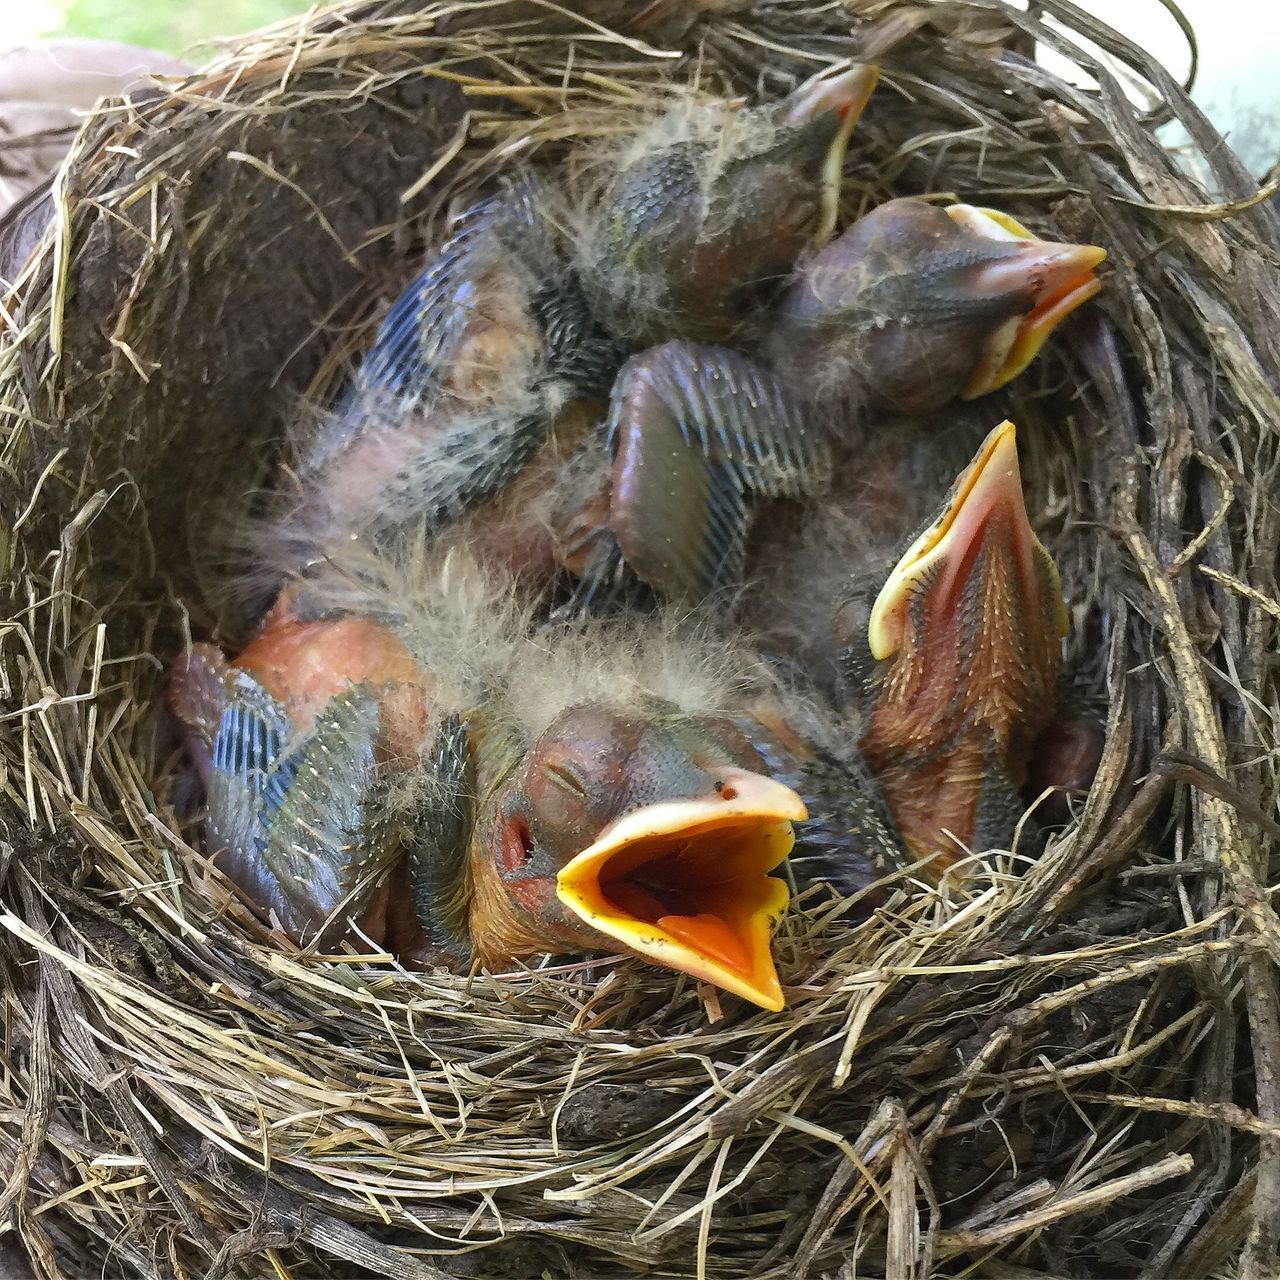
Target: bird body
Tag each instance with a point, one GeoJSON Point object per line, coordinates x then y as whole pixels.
{"type": "Point", "coordinates": [710, 209]}
{"type": "Point", "coordinates": [492, 370]}
{"type": "Point", "coordinates": [402, 749]}
{"type": "Point", "coordinates": [557, 792]}
{"type": "Point", "coordinates": [908, 310]}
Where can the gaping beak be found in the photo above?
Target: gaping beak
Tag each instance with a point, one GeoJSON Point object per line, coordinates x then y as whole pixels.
{"type": "Point", "coordinates": [1058, 277]}
{"type": "Point", "coordinates": [968, 627]}
{"type": "Point", "coordinates": [845, 90]}
{"type": "Point", "coordinates": [984, 512]}
{"type": "Point", "coordinates": [686, 883]}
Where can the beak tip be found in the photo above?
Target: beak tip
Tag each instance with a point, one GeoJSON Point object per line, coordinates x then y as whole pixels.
{"type": "Point", "coordinates": [846, 92]}
{"type": "Point", "coordinates": [1002, 451]}
{"type": "Point", "coordinates": [861, 80]}
{"type": "Point", "coordinates": [993, 474]}
{"type": "Point", "coordinates": [762, 990]}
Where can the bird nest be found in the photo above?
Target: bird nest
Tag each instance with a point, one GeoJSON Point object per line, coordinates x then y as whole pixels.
{"type": "Point", "coordinates": [1068, 1067]}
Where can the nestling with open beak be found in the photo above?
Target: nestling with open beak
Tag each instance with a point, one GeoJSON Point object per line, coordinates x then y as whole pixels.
{"type": "Point", "coordinates": [416, 763]}
{"type": "Point", "coordinates": [484, 391]}
{"type": "Point", "coordinates": [911, 308]}
{"type": "Point", "coordinates": [943, 658]}
{"type": "Point", "coordinates": [937, 638]}
{"type": "Point", "coordinates": [958, 665]}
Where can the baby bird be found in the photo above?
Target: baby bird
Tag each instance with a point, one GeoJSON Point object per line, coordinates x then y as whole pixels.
{"type": "Point", "coordinates": [915, 306]}
{"type": "Point", "coordinates": [478, 376]}
{"type": "Point", "coordinates": [416, 759]}
{"type": "Point", "coordinates": [966, 634]}
{"type": "Point", "coordinates": [942, 648]}
{"type": "Point", "coordinates": [911, 308]}
{"type": "Point", "coordinates": [292, 742]}
{"type": "Point", "coordinates": [712, 209]}
{"type": "Point", "coordinates": [485, 388]}
{"type": "Point", "coordinates": [418, 763]}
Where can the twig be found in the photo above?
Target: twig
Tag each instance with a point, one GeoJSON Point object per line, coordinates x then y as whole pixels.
{"type": "Point", "coordinates": [953, 1242]}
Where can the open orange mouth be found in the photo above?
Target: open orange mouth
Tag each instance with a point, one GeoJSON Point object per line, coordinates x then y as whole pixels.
{"type": "Point", "coordinates": [1061, 277]}
{"type": "Point", "coordinates": [989, 490]}
{"type": "Point", "coordinates": [686, 883]}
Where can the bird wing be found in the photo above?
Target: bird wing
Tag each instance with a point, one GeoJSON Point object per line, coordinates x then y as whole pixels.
{"type": "Point", "coordinates": [419, 336]}
{"type": "Point", "coordinates": [246, 749]}
{"type": "Point", "coordinates": [697, 434]}
{"type": "Point", "coordinates": [1001, 820]}
{"type": "Point", "coordinates": [606, 585]}
{"type": "Point", "coordinates": [470, 458]}
{"type": "Point", "coordinates": [454, 451]}
{"type": "Point", "coordinates": [301, 828]}
{"type": "Point", "coordinates": [328, 831]}
{"type": "Point", "coordinates": [441, 837]}
{"type": "Point", "coordinates": [849, 841]}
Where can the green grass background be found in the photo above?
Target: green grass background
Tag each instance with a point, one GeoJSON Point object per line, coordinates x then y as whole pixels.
{"type": "Point", "coordinates": [177, 26]}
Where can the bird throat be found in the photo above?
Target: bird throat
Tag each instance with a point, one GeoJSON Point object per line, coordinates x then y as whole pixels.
{"type": "Point", "coordinates": [511, 921]}
{"type": "Point", "coordinates": [934, 802]}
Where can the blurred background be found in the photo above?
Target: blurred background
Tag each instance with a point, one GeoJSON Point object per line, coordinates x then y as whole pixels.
{"type": "Point", "coordinates": [1236, 84]}
{"type": "Point", "coordinates": [185, 27]}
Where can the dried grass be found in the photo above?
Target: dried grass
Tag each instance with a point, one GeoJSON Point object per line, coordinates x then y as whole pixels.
{"type": "Point", "coordinates": [1066, 1068]}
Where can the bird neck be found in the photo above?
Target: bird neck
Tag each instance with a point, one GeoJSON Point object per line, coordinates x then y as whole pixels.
{"type": "Point", "coordinates": [934, 802]}
{"type": "Point", "coordinates": [980, 664]}
{"type": "Point", "coordinates": [502, 929]}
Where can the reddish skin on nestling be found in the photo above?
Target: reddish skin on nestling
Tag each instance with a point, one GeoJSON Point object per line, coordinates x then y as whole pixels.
{"type": "Point", "coordinates": [303, 665]}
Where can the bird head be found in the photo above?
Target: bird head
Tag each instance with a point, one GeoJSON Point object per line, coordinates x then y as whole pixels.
{"type": "Point", "coordinates": [653, 829]}
{"type": "Point", "coordinates": [776, 191]}
{"type": "Point", "coordinates": [1049, 280]}
{"type": "Point", "coordinates": [916, 305]}
{"type": "Point", "coordinates": [966, 637]}
{"type": "Point", "coordinates": [697, 224]}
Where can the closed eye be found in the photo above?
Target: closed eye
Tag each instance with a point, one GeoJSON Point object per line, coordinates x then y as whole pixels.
{"type": "Point", "coordinates": [567, 780]}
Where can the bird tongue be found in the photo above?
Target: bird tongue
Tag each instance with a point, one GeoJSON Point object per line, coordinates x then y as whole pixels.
{"type": "Point", "coordinates": [702, 930]}
{"type": "Point", "coordinates": [709, 935]}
